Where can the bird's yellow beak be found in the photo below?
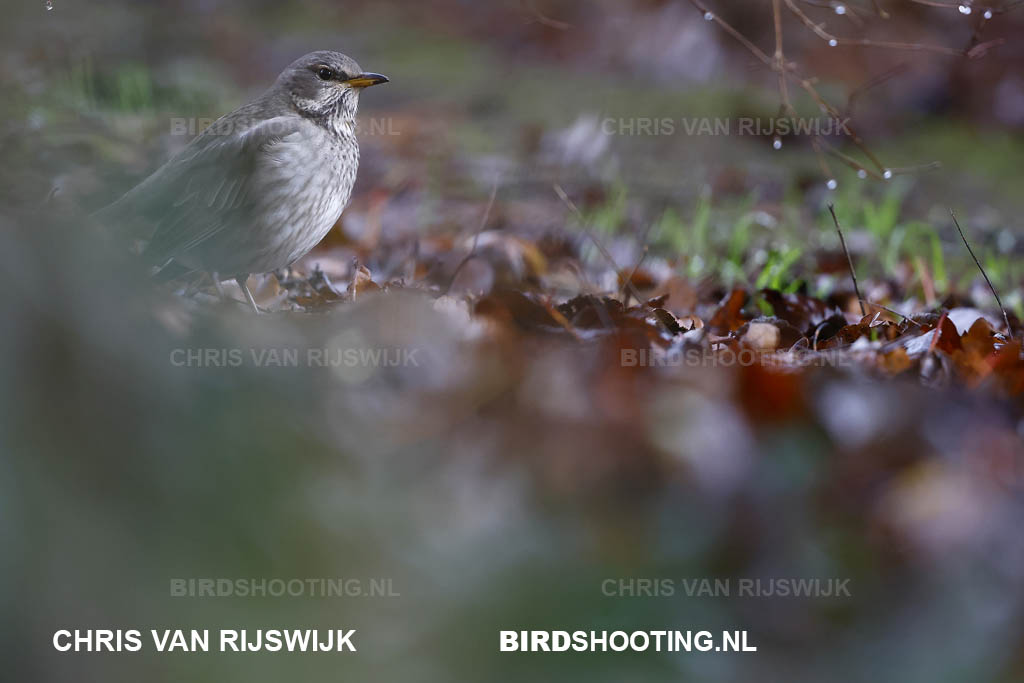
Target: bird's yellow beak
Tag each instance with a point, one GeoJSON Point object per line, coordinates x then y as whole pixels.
{"type": "Point", "coordinates": [366, 80]}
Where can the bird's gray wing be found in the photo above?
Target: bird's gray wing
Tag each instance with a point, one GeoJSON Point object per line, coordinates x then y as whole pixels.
{"type": "Point", "coordinates": [209, 186]}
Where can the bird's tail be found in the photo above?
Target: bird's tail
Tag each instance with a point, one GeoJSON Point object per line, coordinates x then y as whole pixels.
{"type": "Point", "coordinates": [117, 222]}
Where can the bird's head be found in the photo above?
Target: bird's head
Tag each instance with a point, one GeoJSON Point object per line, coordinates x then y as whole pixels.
{"type": "Point", "coordinates": [325, 86]}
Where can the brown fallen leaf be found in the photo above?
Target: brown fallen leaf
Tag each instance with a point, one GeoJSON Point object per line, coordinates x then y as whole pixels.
{"type": "Point", "coordinates": [362, 282]}
{"type": "Point", "coordinates": [948, 339]}
{"type": "Point", "coordinates": [803, 312]}
{"type": "Point", "coordinates": [512, 307]}
{"type": "Point", "coordinates": [895, 362]}
{"type": "Point", "coordinates": [729, 316]}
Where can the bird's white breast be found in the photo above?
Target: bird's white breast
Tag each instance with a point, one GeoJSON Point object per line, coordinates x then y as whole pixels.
{"type": "Point", "coordinates": [310, 175]}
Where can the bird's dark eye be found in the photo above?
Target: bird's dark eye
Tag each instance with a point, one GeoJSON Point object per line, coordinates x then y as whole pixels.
{"type": "Point", "coordinates": [324, 73]}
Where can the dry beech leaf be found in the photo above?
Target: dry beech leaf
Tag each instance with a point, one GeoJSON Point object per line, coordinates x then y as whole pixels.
{"type": "Point", "coordinates": [896, 361]}
{"type": "Point", "coordinates": [729, 317]}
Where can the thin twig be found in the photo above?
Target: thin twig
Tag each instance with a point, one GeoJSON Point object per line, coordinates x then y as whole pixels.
{"type": "Point", "coordinates": [852, 12]}
{"type": "Point", "coordinates": [806, 84]}
{"type": "Point", "coordinates": [780, 61]}
{"type": "Point", "coordinates": [476, 237]}
{"type": "Point", "coordinates": [851, 133]}
{"type": "Point", "coordinates": [979, 27]}
{"type": "Point", "coordinates": [1010, 6]}
{"type": "Point", "coordinates": [644, 252]}
{"type": "Point", "coordinates": [836, 41]}
{"type": "Point", "coordinates": [896, 313]}
{"type": "Point", "coordinates": [543, 19]}
{"type": "Point", "coordinates": [878, 9]}
{"type": "Point", "coordinates": [789, 71]}
{"type": "Point", "coordinates": [593, 238]}
{"type": "Point", "coordinates": [632, 274]}
{"type": "Point", "coordinates": [742, 39]}
{"type": "Point", "coordinates": [873, 83]}
{"type": "Point", "coordinates": [920, 168]}
{"type": "Point", "coordinates": [850, 161]}
{"type": "Point", "coordinates": [832, 183]}
{"type": "Point", "coordinates": [999, 301]}
{"type": "Point", "coordinates": [849, 259]}
{"type": "Point", "coordinates": [936, 3]}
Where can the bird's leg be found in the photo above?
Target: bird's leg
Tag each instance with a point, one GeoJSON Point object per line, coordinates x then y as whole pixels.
{"type": "Point", "coordinates": [216, 285]}
{"type": "Point", "coordinates": [193, 287]}
{"type": "Point", "coordinates": [242, 282]}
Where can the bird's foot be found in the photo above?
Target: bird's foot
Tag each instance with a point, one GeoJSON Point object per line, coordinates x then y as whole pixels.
{"type": "Point", "coordinates": [243, 283]}
{"type": "Point", "coordinates": [224, 296]}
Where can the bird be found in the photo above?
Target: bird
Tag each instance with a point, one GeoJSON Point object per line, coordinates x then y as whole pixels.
{"type": "Point", "coordinates": [261, 186]}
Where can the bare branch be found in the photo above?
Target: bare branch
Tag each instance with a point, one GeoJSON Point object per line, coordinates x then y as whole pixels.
{"type": "Point", "coordinates": [789, 72]}
{"type": "Point", "coordinates": [836, 41]}
{"type": "Point", "coordinates": [780, 60]}
{"type": "Point", "coordinates": [743, 40]}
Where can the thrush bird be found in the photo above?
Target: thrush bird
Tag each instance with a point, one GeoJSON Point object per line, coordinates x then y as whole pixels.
{"type": "Point", "coordinates": [260, 187]}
